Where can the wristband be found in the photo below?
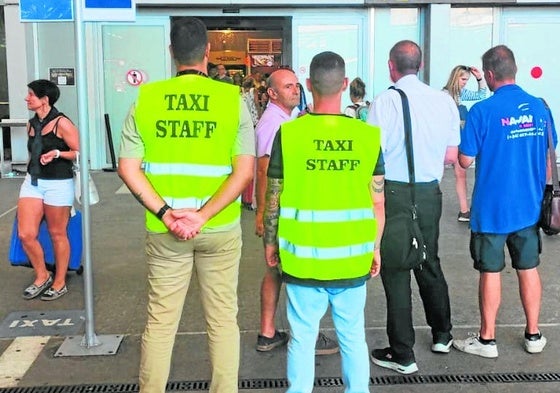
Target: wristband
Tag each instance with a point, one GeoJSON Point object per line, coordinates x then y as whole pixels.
{"type": "Point", "coordinates": [57, 153]}
{"type": "Point", "coordinates": [162, 211]}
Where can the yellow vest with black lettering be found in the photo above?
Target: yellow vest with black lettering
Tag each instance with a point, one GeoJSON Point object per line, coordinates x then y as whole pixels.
{"type": "Point", "coordinates": [327, 227]}
{"type": "Point", "coordinates": [188, 125]}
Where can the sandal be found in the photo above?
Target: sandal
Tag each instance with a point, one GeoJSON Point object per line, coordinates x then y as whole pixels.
{"type": "Point", "coordinates": [33, 290]}
{"type": "Point", "coordinates": [53, 294]}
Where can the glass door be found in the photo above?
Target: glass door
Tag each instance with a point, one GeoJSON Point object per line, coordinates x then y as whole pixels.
{"type": "Point", "coordinates": [133, 54]}
{"type": "Point", "coordinates": [344, 35]}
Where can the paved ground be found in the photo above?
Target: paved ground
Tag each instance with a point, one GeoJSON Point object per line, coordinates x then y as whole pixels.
{"type": "Point", "coordinates": [119, 299]}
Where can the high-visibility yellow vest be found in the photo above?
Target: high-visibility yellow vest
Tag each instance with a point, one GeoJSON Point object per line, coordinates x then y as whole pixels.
{"type": "Point", "coordinates": [327, 226]}
{"type": "Point", "coordinates": [188, 125]}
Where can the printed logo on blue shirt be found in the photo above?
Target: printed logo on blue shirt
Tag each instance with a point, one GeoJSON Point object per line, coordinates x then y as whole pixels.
{"type": "Point", "coordinates": [524, 125]}
{"type": "Point", "coordinates": [526, 121]}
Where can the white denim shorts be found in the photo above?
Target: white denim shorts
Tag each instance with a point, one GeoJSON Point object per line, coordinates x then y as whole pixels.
{"type": "Point", "coordinates": [56, 192]}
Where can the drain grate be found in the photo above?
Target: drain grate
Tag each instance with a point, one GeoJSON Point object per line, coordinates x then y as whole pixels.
{"type": "Point", "coordinates": [281, 383]}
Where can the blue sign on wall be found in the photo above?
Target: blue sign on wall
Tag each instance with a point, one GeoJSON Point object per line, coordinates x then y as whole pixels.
{"type": "Point", "coordinates": [45, 11]}
{"type": "Point", "coordinates": [108, 3]}
{"type": "Point", "coordinates": [109, 10]}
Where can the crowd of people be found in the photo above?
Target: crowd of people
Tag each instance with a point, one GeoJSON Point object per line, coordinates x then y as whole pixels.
{"type": "Point", "coordinates": [254, 92]}
{"type": "Point", "coordinates": [252, 87]}
{"type": "Point", "coordinates": [385, 171]}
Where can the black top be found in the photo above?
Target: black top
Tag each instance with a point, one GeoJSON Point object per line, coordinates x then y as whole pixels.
{"type": "Point", "coordinates": [57, 168]}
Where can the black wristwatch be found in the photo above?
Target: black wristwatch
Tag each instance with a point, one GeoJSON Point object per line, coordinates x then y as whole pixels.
{"type": "Point", "coordinates": [162, 211]}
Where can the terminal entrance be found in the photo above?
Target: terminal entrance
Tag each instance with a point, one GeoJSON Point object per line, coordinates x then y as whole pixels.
{"type": "Point", "coordinates": [245, 46]}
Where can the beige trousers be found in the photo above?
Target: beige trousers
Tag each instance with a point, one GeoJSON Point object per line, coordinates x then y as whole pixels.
{"type": "Point", "coordinates": [171, 262]}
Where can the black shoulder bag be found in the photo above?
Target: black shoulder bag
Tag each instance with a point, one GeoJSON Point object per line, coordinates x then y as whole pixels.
{"type": "Point", "coordinates": [415, 254]}
{"type": "Point", "coordinates": [549, 220]}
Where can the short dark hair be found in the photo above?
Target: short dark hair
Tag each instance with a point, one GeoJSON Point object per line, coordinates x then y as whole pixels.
{"type": "Point", "coordinates": [327, 72]}
{"type": "Point", "coordinates": [43, 87]}
{"type": "Point", "coordinates": [406, 55]}
{"type": "Point", "coordinates": [189, 38]}
{"type": "Point", "coordinates": [501, 61]}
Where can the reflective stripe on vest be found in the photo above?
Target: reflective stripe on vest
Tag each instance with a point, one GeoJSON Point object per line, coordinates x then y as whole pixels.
{"type": "Point", "coordinates": [187, 169]}
{"type": "Point", "coordinates": [185, 203]}
{"type": "Point", "coordinates": [326, 252]}
{"type": "Point", "coordinates": [188, 203]}
{"type": "Point", "coordinates": [326, 215]}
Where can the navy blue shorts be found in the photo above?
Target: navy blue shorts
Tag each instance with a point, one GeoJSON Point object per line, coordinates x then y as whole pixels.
{"type": "Point", "coordinates": [488, 252]}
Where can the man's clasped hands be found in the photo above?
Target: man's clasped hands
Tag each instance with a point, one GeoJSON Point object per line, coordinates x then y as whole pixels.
{"type": "Point", "coordinates": [185, 224]}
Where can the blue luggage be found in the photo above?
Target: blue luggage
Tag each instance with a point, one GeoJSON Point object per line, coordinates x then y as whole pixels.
{"type": "Point", "coordinates": [18, 257]}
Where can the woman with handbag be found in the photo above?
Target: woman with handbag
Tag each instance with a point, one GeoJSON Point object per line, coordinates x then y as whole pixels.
{"type": "Point", "coordinates": [48, 189]}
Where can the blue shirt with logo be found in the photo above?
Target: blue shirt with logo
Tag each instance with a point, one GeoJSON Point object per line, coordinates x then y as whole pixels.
{"type": "Point", "coordinates": [507, 134]}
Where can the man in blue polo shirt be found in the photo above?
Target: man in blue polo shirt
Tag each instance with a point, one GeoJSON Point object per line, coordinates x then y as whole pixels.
{"type": "Point", "coordinates": [507, 134]}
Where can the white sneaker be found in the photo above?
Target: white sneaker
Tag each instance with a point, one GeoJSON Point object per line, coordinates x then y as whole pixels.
{"type": "Point", "coordinates": [473, 346]}
{"type": "Point", "coordinates": [534, 343]}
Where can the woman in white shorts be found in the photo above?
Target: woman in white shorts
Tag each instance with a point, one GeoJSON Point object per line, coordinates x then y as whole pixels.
{"type": "Point", "coordinates": [48, 189]}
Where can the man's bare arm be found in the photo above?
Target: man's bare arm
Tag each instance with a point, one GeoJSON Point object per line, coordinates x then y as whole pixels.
{"type": "Point", "coordinates": [465, 161]}
{"type": "Point", "coordinates": [271, 214]}
{"type": "Point", "coordinates": [377, 192]}
{"type": "Point", "coordinates": [130, 171]}
{"type": "Point", "coordinates": [262, 167]}
{"type": "Point", "coordinates": [272, 210]}
{"type": "Point", "coordinates": [451, 155]}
